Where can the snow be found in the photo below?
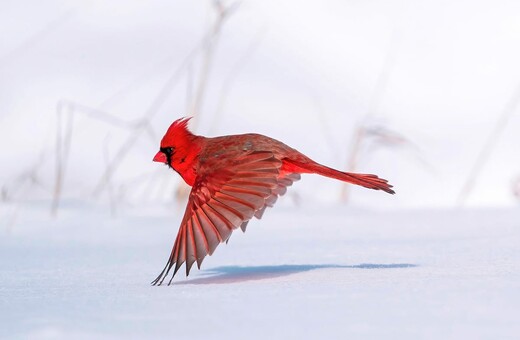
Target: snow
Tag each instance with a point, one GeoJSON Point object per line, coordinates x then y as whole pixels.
{"type": "Point", "coordinates": [314, 271]}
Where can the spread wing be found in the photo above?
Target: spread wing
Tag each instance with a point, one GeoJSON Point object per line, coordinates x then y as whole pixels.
{"type": "Point", "coordinates": [223, 200]}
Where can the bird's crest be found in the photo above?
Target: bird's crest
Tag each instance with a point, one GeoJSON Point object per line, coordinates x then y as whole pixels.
{"type": "Point", "coordinates": [178, 129]}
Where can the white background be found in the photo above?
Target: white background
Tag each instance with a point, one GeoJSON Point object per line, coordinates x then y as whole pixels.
{"type": "Point", "coordinates": [437, 73]}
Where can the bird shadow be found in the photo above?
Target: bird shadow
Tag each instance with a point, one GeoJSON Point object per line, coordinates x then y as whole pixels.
{"type": "Point", "coordinates": [234, 274]}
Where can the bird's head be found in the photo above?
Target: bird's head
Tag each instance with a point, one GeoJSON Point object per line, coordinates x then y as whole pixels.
{"type": "Point", "coordinates": [177, 145]}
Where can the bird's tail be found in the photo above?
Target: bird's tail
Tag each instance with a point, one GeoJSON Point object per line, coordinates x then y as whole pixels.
{"type": "Point", "coordinates": [365, 180]}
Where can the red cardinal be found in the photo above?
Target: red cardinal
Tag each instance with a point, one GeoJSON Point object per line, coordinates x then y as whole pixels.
{"type": "Point", "coordinates": [233, 178]}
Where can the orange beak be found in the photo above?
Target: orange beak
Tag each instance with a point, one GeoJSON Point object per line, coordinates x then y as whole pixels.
{"type": "Point", "coordinates": [160, 157]}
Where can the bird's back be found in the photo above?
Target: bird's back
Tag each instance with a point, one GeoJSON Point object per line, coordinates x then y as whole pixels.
{"type": "Point", "coordinates": [234, 146]}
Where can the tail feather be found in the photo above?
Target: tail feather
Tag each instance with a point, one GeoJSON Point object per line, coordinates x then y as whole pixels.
{"type": "Point", "coordinates": [366, 180]}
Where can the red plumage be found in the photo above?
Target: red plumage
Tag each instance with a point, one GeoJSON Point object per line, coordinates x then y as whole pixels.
{"type": "Point", "coordinates": [233, 178]}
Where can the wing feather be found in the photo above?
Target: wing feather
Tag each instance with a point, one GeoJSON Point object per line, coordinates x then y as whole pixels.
{"type": "Point", "coordinates": [223, 226]}
{"type": "Point", "coordinates": [222, 200]}
{"type": "Point", "coordinates": [245, 208]}
{"type": "Point", "coordinates": [232, 215]}
{"type": "Point", "coordinates": [191, 248]}
{"type": "Point", "coordinates": [260, 191]}
{"type": "Point", "coordinates": [201, 240]}
{"type": "Point", "coordinates": [255, 201]}
{"type": "Point", "coordinates": [212, 233]}
{"type": "Point", "coordinates": [181, 255]}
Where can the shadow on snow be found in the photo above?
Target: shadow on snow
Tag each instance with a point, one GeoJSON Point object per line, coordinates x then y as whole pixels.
{"type": "Point", "coordinates": [232, 274]}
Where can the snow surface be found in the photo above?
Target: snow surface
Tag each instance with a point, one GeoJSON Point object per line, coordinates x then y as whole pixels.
{"type": "Point", "coordinates": [307, 272]}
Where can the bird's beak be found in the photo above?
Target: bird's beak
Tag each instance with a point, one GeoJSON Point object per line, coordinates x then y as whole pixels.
{"type": "Point", "coordinates": [160, 157]}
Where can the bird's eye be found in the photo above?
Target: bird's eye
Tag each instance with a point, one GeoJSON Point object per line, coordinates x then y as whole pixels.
{"type": "Point", "coordinates": [167, 151]}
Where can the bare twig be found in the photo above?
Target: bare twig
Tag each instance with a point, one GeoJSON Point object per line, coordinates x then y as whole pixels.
{"type": "Point", "coordinates": [36, 37]}
{"type": "Point", "coordinates": [373, 108]}
{"type": "Point", "coordinates": [383, 137]}
{"type": "Point", "coordinates": [132, 139]}
{"type": "Point", "coordinates": [138, 80]}
{"type": "Point", "coordinates": [489, 146]}
{"type": "Point", "coordinates": [189, 87]}
{"type": "Point", "coordinates": [516, 188]}
{"type": "Point", "coordinates": [110, 187]}
{"type": "Point", "coordinates": [222, 14]}
{"type": "Point", "coordinates": [209, 47]}
{"type": "Point", "coordinates": [109, 118]}
{"type": "Point", "coordinates": [63, 112]}
{"type": "Point", "coordinates": [66, 109]}
{"type": "Point", "coordinates": [231, 77]}
{"type": "Point", "coordinates": [153, 109]}
{"type": "Point", "coordinates": [355, 147]}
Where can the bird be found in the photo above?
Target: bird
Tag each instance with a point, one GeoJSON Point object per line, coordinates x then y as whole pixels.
{"type": "Point", "coordinates": [233, 178]}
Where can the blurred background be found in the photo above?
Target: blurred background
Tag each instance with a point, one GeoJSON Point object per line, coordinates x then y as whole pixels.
{"type": "Point", "coordinates": [422, 93]}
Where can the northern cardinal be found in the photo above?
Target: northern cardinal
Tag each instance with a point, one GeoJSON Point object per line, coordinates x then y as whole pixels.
{"type": "Point", "coordinates": [233, 178]}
